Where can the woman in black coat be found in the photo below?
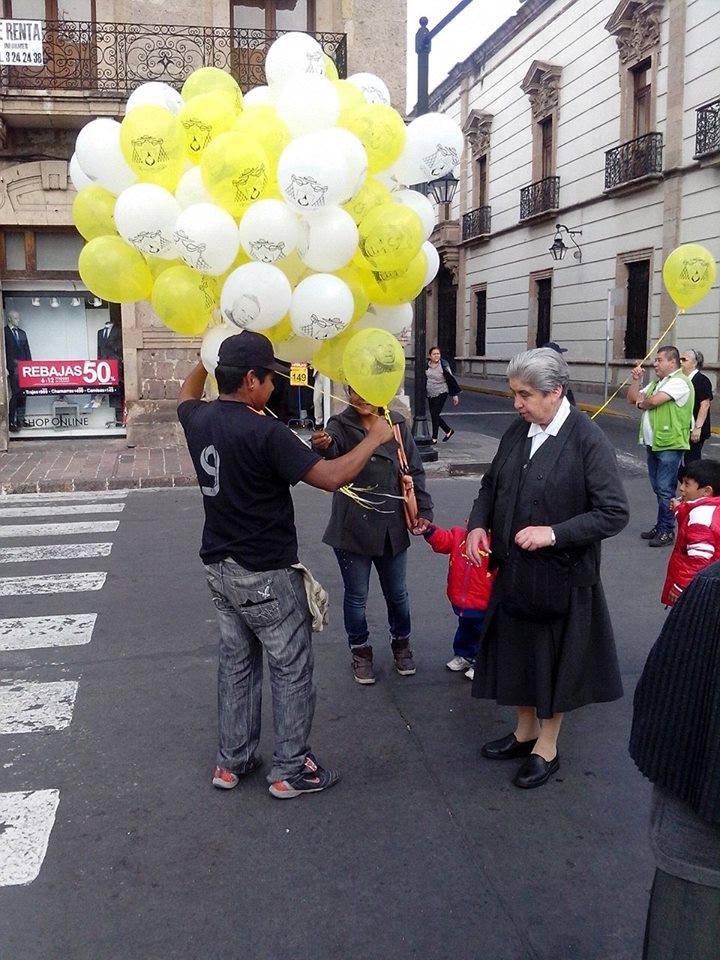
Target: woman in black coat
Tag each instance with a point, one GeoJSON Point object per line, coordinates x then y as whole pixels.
{"type": "Point", "coordinates": [691, 362]}
{"type": "Point", "coordinates": [376, 535]}
{"type": "Point", "coordinates": [551, 495]}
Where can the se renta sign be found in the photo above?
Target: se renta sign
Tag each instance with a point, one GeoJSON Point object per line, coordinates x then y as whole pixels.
{"type": "Point", "coordinates": [21, 43]}
{"type": "Point", "coordinates": [68, 376]}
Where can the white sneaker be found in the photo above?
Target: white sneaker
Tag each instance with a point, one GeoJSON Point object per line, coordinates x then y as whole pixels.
{"type": "Point", "coordinates": [470, 673]}
{"type": "Point", "coordinates": [457, 664]}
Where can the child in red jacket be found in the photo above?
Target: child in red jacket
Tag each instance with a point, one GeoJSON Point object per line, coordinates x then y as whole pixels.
{"type": "Point", "coordinates": [698, 526]}
{"type": "Point", "coordinates": [468, 590]}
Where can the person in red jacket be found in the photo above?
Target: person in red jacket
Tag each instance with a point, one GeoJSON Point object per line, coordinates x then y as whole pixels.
{"type": "Point", "coordinates": [698, 526]}
{"type": "Point", "coordinates": [468, 590]}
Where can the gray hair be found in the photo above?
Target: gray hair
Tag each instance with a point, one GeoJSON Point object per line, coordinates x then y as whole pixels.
{"type": "Point", "coordinates": [697, 354]}
{"type": "Point", "coordinates": [543, 369]}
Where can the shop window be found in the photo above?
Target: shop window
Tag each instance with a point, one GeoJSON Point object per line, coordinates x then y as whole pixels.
{"type": "Point", "coordinates": [51, 254]}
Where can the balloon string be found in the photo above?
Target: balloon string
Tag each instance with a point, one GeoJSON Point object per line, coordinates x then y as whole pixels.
{"type": "Point", "coordinates": [652, 349]}
{"type": "Point", "coordinates": [344, 400]}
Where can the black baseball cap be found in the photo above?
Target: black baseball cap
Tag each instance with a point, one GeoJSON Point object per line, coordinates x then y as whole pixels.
{"type": "Point", "coordinates": [555, 346]}
{"type": "Point", "coordinates": [249, 350]}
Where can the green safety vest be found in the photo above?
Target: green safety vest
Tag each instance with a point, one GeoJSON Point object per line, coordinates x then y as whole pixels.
{"type": "Point", "coordinates": [670, 423]}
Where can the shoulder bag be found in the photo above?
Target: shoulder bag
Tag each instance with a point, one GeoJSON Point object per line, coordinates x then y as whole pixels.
{"type": "Point", "coordinates": [407, 485]}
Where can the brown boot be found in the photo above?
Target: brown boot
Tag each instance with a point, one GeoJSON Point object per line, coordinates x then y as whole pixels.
{"type": "Point", "coordinates": [362, 665]}
{"type": "Point", "coordinates": [404, 663]}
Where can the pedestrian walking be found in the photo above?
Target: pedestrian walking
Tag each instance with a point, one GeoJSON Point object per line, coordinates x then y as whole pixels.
{"type": "Point", "coordinates": [692, 362]}
{"type": "Point", "coordinates": [667, 405]}
{"type": "Point", "coordinates": [468, 590]}
{"type": "Point", "coordinates": [551, 495]}
{"type": "Point", "coordinates": [246, 463]}
{"type": "Point", "coordinates": [674, 742]}
{"type": "Point", "coordinates": [441, 384]}
{"type": "Point", "coordinates": [370, 530]}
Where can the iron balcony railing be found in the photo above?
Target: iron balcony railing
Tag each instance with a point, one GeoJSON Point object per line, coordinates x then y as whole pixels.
{"type": "Point", "coordinates": [634, 160]}
{"type": "Point", "coordinates": [707, 130]}
{"type": "Point", "coordinates": [476, 223]}
{"type": "Point", "coordinates": [540, 197]}
{"type": "Point", "coordinates": [111, 59]}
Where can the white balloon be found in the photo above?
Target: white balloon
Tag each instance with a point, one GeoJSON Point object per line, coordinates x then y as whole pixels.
{"type": "Point", "coordinates": [433, 262]}
{"type": "Point", "coordinates": [328, 239]}
{"type": "Point", "coordinates": [157, 94]}
{"type": "Point", "coordinates": [77, 175]}
{"type": "Point", "coordinates": [423, 207]}
{"type": "Point", "coordinates": [207, 238]}
{"type": "Point", "coordinates": [191, 189]}
{"type": "Point", "coordinates": [341, 142]}
{"type": "Point", "coordinates": [211, 344]}
{"type": "Point", "coordinates": [372, 88]}
{"type": "Point", "coordinates": [307, 104]}
{"type": "Point", "coordinates": [98, 152]}
{"type": "Point", "coordinates": [308, 177]}
{"type": "Point", "coordinates": [255, 296]}
{"type": "Point", "coordinates": [433, 146]}
{"type": "Point", "coordinates": [258, 97]}
{"type": "Point", "coordinates": [293, 55]}
{"type": "Point", "coordinates": [145, 216]}
{"type": "Point", "coordinates": [392, 319]}
{"type": "Point", "coordinates": [269, 231]}
{"type": "Point", "coordinates": [322, 306]}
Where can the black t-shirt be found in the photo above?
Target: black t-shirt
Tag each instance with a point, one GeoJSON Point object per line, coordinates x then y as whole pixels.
{"type": "Point", "coordinates": [245, 463]}
{"type": "Point", "coordinates": [703, 391]}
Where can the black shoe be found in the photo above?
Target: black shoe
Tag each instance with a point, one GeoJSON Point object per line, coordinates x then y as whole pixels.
{"type": "Point", "coordinates": [447, 436]}
{"type": "Point", "coordinates": [662, 540]}
{"type": "Point", "coordinates": [536, 771]}
{"type": "Point", "coordinates": [508, 748]}
{"type": "Point", "coordinates": [649, 534]}
{"type": "Point", "coordinates": [311, 779]}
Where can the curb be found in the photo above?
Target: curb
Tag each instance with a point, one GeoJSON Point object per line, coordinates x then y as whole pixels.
{"type": "Point", "coordinates": [109, 483]}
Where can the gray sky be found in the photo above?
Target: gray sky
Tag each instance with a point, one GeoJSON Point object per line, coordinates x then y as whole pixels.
{"type": "Point", "coordinates": [476, 22]}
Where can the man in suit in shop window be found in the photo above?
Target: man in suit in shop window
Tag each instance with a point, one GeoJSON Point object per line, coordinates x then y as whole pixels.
{"type": "Point", "coordinates": [17, 348]}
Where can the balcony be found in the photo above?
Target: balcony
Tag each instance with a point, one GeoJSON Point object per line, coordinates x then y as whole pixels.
{"type": "Point", "coordinates": [476, 223]}
{"type": "Point", "coordinates": [707, 130]}
{"type": "Point", "coordinates": [540, 198]}
{"type": "Point", "coordinates": [108, 60]}
{"type": "Point", "coordinates": [635, 163]}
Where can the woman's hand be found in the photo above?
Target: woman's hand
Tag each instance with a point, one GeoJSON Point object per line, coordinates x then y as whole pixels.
{"type": "Point", "coordinates": [534, 538]}
{"type": "Point", "coordinates": [321, 440]}
{"type": "Point", "coordinates": [477, 546]}
{"type": "Point", "coordinates": [456, 400]}
{"type": "Point", "coordinates": [695, 435]}
{"type": "Point", "coordinates": [421, 525]}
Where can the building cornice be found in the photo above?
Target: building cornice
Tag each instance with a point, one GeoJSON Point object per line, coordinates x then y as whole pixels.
{"type": "Point", "coordinates": [542, 85]}
{"type": "Point", "coordinates": [635, 24]}
{"type": "Point", "coordinates": [477, 131]}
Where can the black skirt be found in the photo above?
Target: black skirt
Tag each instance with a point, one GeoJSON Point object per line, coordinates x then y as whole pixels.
{"type": "Point", "coordinates": [555, 667]}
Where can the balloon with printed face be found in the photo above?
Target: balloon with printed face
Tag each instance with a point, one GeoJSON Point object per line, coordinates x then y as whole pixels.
{"type": "Point", "coordinates": [114, 271]}
{"type": "Point", "coordinates": [327, 239]}
{"type": "Point", "coordinates": [689, 273]}
{"type": "Point", "coordinates": [100, 156]}
{"type": "Point", "coordinates": [255, 296]}
{"type": "Point", "coordinates": [433, 262]}
{"type": "Point", "coordinates": [433, 147]}
{"type": "Point", "coordinates": [157, 94]}
{"type": "Point", "coordinates": [269, 231]}
{"type": "Point", "coordinates": [235, 171]}
{"type": "Point", "coordinates": [261, 96]}
{"type": "Point", "coordinates": [184, 300]}
{"type": "Point", "coordinates": [351, 153]}
{"type": "Point", "coordinates": [146, 216]}
{"type": "Point", "coordinates": [211, 342]}
{"type": "Point", "coordinates": [422, 207]}
{"type": "Point", "coordinates": [393, 287]}
{"type": "Point", "coordinates": [354, 279]}
{"type": "Point", "coordinates": [77, 176]}
{"type": "Point", "coordinates": [292, 56]}
{"type": "Point", "coordinates": [263, 125]}
{"type": "Point", "coordinates": [322, 306]}
{"type": "Point", "coordinates": [308, 177]}
{"type": "Point", "coordinates": [374, 365]}
{"type": "Point", "coordinates": [390, 236]}
{"type": "Point", "coordinates": [308, 104]}
{"type": "Point", "coordinates": [212, 80]}
{"type": "Point", "coordinates": [93, 212]}
{"type": "Point", "coordinates": [373, 89]}
{"type": "Point", "coordinates": [153, 145]}
{"type": "Point", "coordinates": [206, 238]}
{"type": "Point", "coordinates": [381, 130]}
{"type": "Point", "coordinates": [371, 194]}
{"type": "Point", "coordinates": [191, 189]}
{"type": "Point", "coordinates": [205, 117]}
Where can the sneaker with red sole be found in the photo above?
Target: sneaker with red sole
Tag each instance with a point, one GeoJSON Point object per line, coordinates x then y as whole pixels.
{"type": "Point", "coordinates": [311, 779]}
{"type": "Point", "coordinates": [225, 779]}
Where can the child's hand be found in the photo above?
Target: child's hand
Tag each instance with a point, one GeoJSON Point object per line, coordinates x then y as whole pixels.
{"type": "Point", "coordinates": [673, 597]}
{"type": "Point", "coordinates": [675, 503]}
{"type": "Point", "coordinates": [421, 525]}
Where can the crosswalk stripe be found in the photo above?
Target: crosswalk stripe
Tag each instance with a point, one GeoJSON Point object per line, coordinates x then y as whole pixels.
{"type": "Point", "coordinates": [12, 498]}
{"type": "Point", "coordinates": [51, 583]}
{"type": "Point", "coordinates": [57, 529]}
{"type": "Point", "coordinates": [57, 509]}
{"type": "Point", "coordinates": [54, 551]}
{"type": "Point", "coordinates": [29, 707]}
{"type": "Point", "coordinates": [30, 633]}
{"type": "Point", "coordinates": [26, 819]}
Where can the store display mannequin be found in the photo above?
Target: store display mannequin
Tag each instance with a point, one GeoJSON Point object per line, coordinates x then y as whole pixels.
{"type": "Point", "coordinates": [16, 348]}
{"type": "Point", "coordinates": [109, 347]}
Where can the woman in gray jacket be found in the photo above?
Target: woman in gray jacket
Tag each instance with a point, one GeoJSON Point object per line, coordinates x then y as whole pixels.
{"type": "Point", "coordinates": [364, 536]}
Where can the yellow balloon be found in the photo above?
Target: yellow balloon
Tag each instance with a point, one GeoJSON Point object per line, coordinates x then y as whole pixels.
{"type": "Point", "coordinates": [153, 143]}
{"type": "Point", "coordinates": [293, 268]}
{"type": "Point", "coordinates": [158, 266]}
{"type": "Point", "coordinates": [296, 350]}
{"type": "Point", "coordinates": [263, 125]}
{"type": "Point", "coordinates": [184, 300]}
{"type": "Point", "coordinates": [370, 195]}
{"type": "Point", "coordinates": [390, 236]}
{"type": "Point", "coordinates": [330, 68]}
{"type": "Point", "coordinates": [381, 130]}
{"type": "Point", "coordinates": [113, 270]}
{"type": "Point", "coordinates": [203, 118]}
{"type": "Point", "coordinates": [374, 365]}
{"type": "Point", "coordinates": [280, 332]}
{"type": "Point", "coordinates": [211, 80]}
{"type": "Point", "coordinates": [393, 287]}
{"type": "Point", "coordinates": [689, 273]}
{"type": "Point", "coordinates": [354, 279]}
{"type": "Point", "coordinates": [351, 99]}
{"type": "Point", "coordinates": [93, 213]}
{"type": "Point", "coordinates": [234, 171]}
{"type": "Point", "coordinates": [328, 359]}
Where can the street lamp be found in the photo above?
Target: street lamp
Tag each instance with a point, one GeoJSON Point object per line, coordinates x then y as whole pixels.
{"type": "Point", "coordinates": [443, 189]}
{"type": "Point", "coordinates": [559, 249]}
{"type": "Point", "coordinates": [446, 188]}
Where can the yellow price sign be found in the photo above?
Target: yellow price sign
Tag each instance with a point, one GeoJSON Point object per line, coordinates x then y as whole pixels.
{"type": "Point", "coordinates": [298, 375]}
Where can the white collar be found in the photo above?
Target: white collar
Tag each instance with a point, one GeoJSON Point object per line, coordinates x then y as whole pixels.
{"type": "Point", "coordinates": [553, 428]}
{"type": "Point", "coordinates": [691, 375]}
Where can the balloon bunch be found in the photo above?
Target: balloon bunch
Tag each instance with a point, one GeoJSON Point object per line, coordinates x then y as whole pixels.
{"type": "Point", "coordinates": [285, 211]}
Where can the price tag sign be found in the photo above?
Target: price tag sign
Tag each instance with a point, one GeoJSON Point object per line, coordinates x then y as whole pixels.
{"type": "Point", "coordinates": [298, 375]}
{"type": "Point", "coordinates": [21, 43]}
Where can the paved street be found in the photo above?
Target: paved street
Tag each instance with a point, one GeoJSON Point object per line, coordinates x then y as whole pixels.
{"type": "Point", "coordinates": [424, 850]}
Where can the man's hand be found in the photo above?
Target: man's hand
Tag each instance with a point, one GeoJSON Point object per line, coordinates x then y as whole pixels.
{"type": "Point", "coordinates": [321, 440]}
{"type": "Point", "coordinates": [477, 546]}
{"type": "Point", "coordinates": [456, 400]}
{"type": "Point", "coordinates": [638, 373]}
{"type": "Point", "coordinates": [380, 432]}
{"type": "Point", "coordinates": [421, 525]}
{"type": "Point", "coordinates": [695, 435]}
{"type": "Point", "coordinates": [534, 538]}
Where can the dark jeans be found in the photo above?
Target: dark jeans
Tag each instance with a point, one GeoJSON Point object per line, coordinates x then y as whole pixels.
{"type": "Point", "coordinates": [257, 611]}
{"type": "Point", "coordinates": [663, 471]}
{"type": "Point", "coordinates": [355, 570]}
{"type": "Point", "coordinates": [467, 636]}
{"type": "Point", "coordinates": [436, 405]}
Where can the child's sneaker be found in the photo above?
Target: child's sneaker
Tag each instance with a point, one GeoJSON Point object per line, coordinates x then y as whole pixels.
{"type": "Point", "coordinates": [458, 663]}
{"type": "Point", "coordinates": [470, 673]}
{"type": "Point", "coordinates": [311, 779]}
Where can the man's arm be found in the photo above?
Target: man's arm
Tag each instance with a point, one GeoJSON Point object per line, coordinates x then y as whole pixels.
{"type": "Point", "coordinates": [633, 394]}
{"type": "Point", "coordinates": [194, 385]}
{"type": "Point", "coordinates": [333, 474]}
{"type": "Point", "coordinates": [656, 400]}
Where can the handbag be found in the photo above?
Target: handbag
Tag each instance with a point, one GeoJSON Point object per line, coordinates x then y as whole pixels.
{"type": "Point", "coordinates": [407, 485]}
{"type": "Point", "coordinates": [537, 584]}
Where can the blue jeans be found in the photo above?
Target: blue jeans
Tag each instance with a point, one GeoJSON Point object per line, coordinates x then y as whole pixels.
{"type": "Point", "coordinates": [355, 570]}
{"type": "Point", "coordinates": [257, 611]}
{"type": "Point", "coordinates": [467, 636]}
{"type": "Point", "coordinates": [663, 470]}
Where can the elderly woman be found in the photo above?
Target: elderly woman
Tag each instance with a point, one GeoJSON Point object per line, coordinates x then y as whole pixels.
{"type": "Point", "coordinates": [691, 362]}
{"type": "Point", "coordinates": [551, 495]}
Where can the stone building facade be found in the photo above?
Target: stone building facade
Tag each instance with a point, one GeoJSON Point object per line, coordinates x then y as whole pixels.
{"type": "Point", "coordinates": [95, 53]}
